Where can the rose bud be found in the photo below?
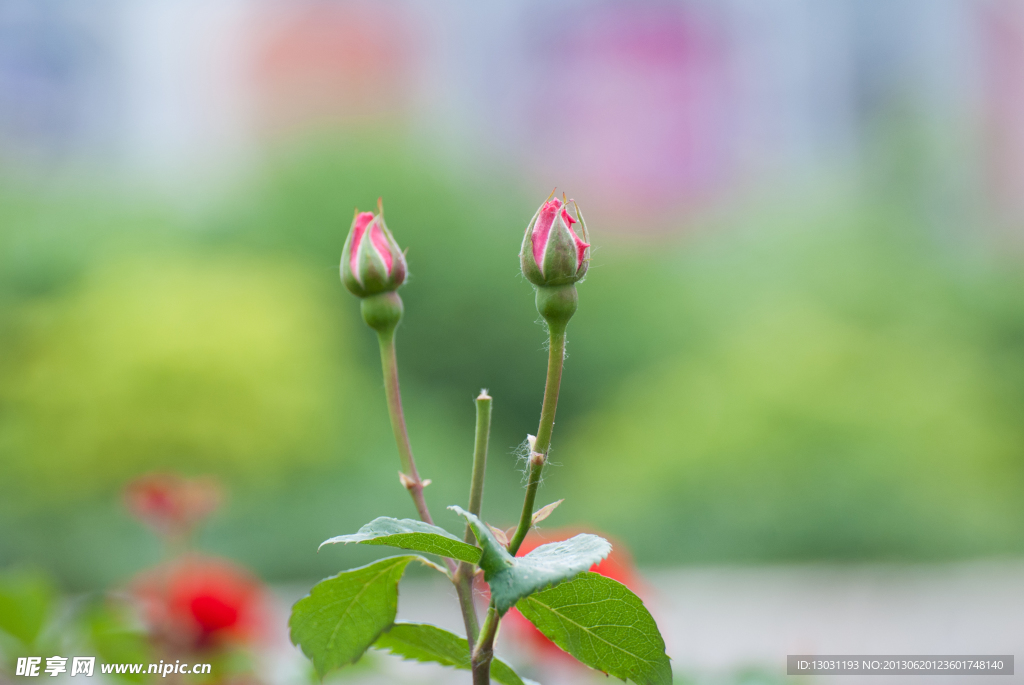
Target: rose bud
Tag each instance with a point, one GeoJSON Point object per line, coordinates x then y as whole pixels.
{"type": "Point", "coordinates": [371, 261]}
{"type": "Point", "coordinates": [552, 253]}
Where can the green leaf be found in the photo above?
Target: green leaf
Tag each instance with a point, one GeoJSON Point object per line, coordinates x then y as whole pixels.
{"type": "Point", "coordinates": [411, 534]}
{"type": "Point", "coordinates": [603, 624]}
{"type": "Point", "coordinates": [424, 642]}
{"type": "Point", "coordinates": [512, 578]}
{"type": "Point", "coordinates": [343, 615]}
{"type": "Point", "coordinates": [25, 602]}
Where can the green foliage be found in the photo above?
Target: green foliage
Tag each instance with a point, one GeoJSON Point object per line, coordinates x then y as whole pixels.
{"type": "Point", "coordinates": [111, 634]}
{"type": "Point", "coordinates": [841, 388]}
{"type": "Point", "coordinates": [411, 534]}
{"type": "Point", "coordinates": [424, 642]}
{"type": "Point", "coordinates": [822, 380]}
{"type": "Point", "coordinates": [512, 578]}
{"type": "Point", "coordinates": [604, 625]}
{"type": "Point", "coordinates": [26, 600]}
{"type": "Point", "coordinates": [342, 616]}
{"type": "Point", "coordinates": [229, 365]}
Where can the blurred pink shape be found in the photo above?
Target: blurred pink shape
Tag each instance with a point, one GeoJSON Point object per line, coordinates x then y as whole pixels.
{"type": "Point", "coordinates": [641, 117]}
{"type": "Point", "coordinates": [1003, 31]}
{"type": "Point", "coordinates": [321, 63]}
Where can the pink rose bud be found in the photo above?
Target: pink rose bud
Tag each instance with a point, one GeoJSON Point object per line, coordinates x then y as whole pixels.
{"type": "Point", "coordinates": [552, 252]}
{"type": "Point", "coordinates": [371, 261]}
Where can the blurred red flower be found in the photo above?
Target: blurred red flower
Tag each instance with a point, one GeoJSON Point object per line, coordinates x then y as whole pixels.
{"type": "Point", "coordinates": [197, 603]}
{"type": "Point", "coordinates": [170, 504]}
{"type": "Point", "coordinates": [617, 566]}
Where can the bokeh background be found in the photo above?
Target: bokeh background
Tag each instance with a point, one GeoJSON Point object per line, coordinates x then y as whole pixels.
{"type": "Point", "coordinates": [801, 339]}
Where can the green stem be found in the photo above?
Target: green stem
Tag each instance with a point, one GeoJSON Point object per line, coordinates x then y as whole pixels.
{"type": "Point", "coordinates": [480, 661]}
{"type": "Point", "coordinates": [464, 576]}
{"type": "Point", "coordinates": [463, 583]}
{"type": "Point", "coordinates": [411, 477]}
{"type": "Point", "coordinates": [483, 434]}
{"type": "Point", "coordinates": [539, 450]}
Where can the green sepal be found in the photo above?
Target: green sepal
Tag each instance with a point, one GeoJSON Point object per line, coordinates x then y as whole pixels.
{"type": "Point", "coordinates": [411, 534]}
{"type": "Point", "coordinates": [343, 615]}
{"type": "Point", "coordinates": [604, 625]}
{"type": "Point", "coordinates": [512, 578]}
{"type": "Point", "coordinates": [424, 642]}
{"type": "Point", "coordinates": [560, 256]}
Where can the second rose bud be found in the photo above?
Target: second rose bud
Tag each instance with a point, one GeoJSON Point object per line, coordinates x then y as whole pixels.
{"type": "Point", "coordinates": [552, 253]}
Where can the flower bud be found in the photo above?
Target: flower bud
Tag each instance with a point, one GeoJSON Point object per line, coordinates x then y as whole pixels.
{"type": "Point", "coordinates": [371, 261]}
{"type": "Point", "coordinates": [552, 253]}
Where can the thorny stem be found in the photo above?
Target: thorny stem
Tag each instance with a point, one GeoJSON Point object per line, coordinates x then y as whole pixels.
{"type": "Point", "coordinates": [539, 450]}
{"type": "Point", "coordinates": [484, 651]}
{"type": "Point", "coordinates": [464, 576]}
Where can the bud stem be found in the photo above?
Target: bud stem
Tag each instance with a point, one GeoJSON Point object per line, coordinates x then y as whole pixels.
{"type": "Point", "coordinates": [389, 363]}
{"type": "Point", "coordinates": [556, 358]}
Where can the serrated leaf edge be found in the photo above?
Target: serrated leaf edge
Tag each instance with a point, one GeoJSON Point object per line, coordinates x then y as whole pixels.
{"type": "Point", "coordinates": [291, 628]}
{"type": "Point", "coordinates": [532, 598]}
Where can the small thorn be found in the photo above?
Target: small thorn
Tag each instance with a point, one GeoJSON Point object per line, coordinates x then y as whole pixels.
{"type": "Point", "coordinates": [426, 482]}
{"type": "Point", "coordinates": [407, 482]}
{"type": "Point", "coordinates": [544, 512]}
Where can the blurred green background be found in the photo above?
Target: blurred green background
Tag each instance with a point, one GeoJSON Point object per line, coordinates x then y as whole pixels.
{"type": "Point", "coordinates": [801, 337]}
{"type": "Point", "coordinates": [783, 381]}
